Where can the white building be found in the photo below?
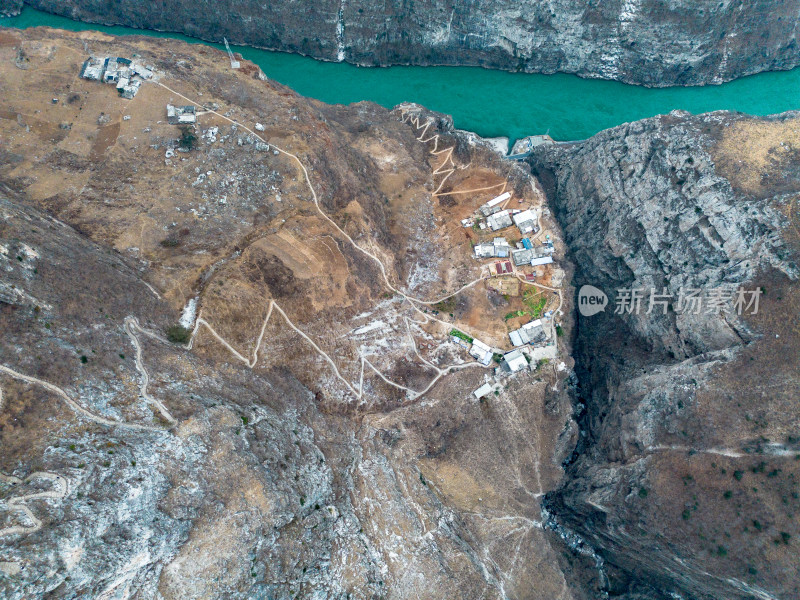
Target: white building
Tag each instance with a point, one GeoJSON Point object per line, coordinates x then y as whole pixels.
{"type": "Point", "coordinates": [497, 248]}
{"type": "Point", "coordinates": [141, 71]}
{"type": "Point", "coordinates": [499, 220]}
{"type": "Point", "coordinates": [482, 391]}
{"type": "Point", "coordinates": [534, 256]}
{"type": "Point", "coordinates": [93, 68]}
{"type": "Point", "coordinates": [514, 361]}
{"type": "Point", "coordinates": [117, 70]}
{"type": "Point", "coordinates": [526, 221]}
{"type": "Point", "coordinates": [181, 115]}
{"type": "Point", "coordinates": [457, 340]}
{"type": "Point", "coordinates": [482, 352]}
{"type": "Point", "coordinates": [530, 333]}
{"type": "Point", "coordinates": [542, 260]}
{"type": "Point", "coordinates": [129, 90]}
{"type": "Point", "coordinates": [484, 250]}
{"type": "Point", "coordinates": [111, 74]}
{"type": "Point", "coordinates": [493, 205]}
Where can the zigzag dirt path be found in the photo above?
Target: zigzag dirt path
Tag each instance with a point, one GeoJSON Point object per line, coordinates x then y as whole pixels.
{"type": "Point", "coordinates": [357, 392]}
{"type": "Point", "coordinates": [130, 324]}
{"type": "Point", "coordinates": [20, 503]}
{"type": "Point", "coordinates": [407, 117]}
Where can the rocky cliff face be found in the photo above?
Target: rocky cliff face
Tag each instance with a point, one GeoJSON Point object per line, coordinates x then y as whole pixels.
{"type": "Point", "coordinates": [645, 42]}
{"type": "Point", "coordinates": [686, 480]}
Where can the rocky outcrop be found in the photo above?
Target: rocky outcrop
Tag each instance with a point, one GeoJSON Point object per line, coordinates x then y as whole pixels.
{"type": "Point", "coordinates": [11, 8]}
{"type": "Point", "coordinates": [685, 480]}
{"type": "Point", "coordinates": [645, 42]}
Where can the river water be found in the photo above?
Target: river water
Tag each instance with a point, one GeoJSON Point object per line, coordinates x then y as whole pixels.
{"type": "Point", "coordinates": [491, 103]}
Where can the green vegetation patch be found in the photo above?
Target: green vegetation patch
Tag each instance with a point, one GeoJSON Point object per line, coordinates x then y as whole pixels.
{"type": "Point", "coordinates": [514, 314]}
{"type": "Point", "coordinates": [188, 138]}
{"type": "Point", "coordinates": [461, 335]}
{"type": "Point", "coordinates": [535, 302]}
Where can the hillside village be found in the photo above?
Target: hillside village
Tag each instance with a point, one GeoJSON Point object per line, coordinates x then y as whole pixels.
{"type": "Point", "coordinates": [510, 266]}
{"type": "Point", "coordinates": [512, 250]}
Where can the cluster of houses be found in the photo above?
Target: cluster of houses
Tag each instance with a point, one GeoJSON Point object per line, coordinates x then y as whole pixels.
{"type": "Point", "coordinates": [512, 362]}
{"type": "Point", "coordinates": [526, 221]}
{"type": "Point", "coordinates": [493, 216]}
{"type": "Point", "coordinates": [127, 75]}
{"type": "Point", "coordinates": [480, 351]}
{"type": "Point", "coordinates": [525, 252]}
{"type": "Point", "coordinates": [533, 256]}
{"type": "Point", "coordinates": [498, 218]}
{"type": "Point", "coordinates": [532, 333]}
{"type": "Point", "coordinates": [497, 248]}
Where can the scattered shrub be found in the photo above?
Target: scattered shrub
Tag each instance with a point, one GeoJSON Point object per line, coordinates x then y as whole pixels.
{"type": "Point", "coordinates": [178, 334]}
{"type": "Point", "coordinates": [188, 138]}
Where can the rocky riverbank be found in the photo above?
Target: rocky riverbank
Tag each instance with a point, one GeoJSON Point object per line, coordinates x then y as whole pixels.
{"type": "Point", "coordinates": [636, 41]}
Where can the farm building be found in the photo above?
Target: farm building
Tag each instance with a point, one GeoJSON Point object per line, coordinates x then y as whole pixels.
{"type": "Point", "coordinates": [498, 248]}
{"type": "Point", "coordinates": [533, 256]}
{"type": "Point", "coordinates": [493, 205]}
{"type": "Point", "coordinates": [499, 220]}
{"type": "Point", "coordinates": [181, 115]}
{"type": "Point", "coordinates": [530, 333]}
{"type": "Point", "coordinates": [93, 68]}
{"type": "Point", "coordinates": [526, 221]}
{"type": "Point", "coordinates": [481, 351]}
{"type": "Point", "coordinates": [514, 361]}
{"type": "Point", "coordinates": [542, 260]}
{"type": "Point", "coordinates": [122, 72]}
{"type": "Point", "coordinates": [482, 391]}
{"type": "Point", "coordinates": [503, 268]}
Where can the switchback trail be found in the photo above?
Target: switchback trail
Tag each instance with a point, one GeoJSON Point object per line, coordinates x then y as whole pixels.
{"type": "Point", "coordinates": [130, 324]}
{"type": "Point", "coordinates": [59, 491]}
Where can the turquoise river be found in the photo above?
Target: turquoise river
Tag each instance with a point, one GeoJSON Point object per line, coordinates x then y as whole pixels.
{"type": "Point", "coordinates": [492, 103]}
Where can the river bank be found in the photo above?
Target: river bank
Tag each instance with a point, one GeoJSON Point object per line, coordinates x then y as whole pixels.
{"type": "Point", "coordinates": [490, 103]}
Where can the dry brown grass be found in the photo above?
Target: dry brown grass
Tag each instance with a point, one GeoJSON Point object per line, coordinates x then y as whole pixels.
{"type": "Point", "coordinates": [752, 153]}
